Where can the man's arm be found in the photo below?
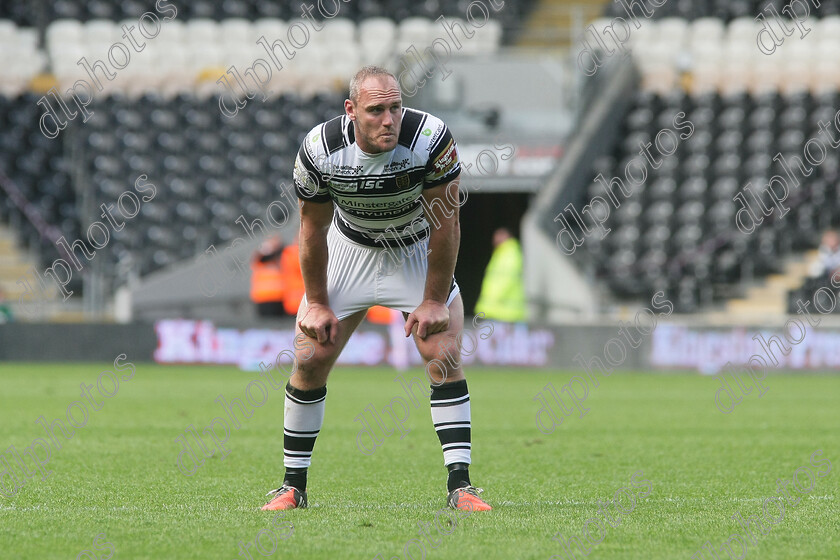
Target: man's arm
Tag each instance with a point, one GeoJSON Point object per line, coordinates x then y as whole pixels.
{"type": "Point", "coordinates": [319, 321]}
{"type": "Point", "coordinates": [444, 241]}
{"type": "Point", "coordinates": [432, 315]}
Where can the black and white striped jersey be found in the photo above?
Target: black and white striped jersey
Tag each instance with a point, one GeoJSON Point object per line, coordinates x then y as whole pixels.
{"type": "Point", "coordinates": [377, 196]}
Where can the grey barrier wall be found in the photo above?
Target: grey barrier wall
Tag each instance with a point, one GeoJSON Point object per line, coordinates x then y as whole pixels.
{"type": "Point", "coordinates": [213, 285]}
{"type": "Point", "coordinates": [83, 342]}
{"type": "Point", "coordinates": [669, 346]}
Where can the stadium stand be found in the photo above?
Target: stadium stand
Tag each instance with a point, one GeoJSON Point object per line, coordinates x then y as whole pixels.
{"type": "Point", "coordinates": [36, 165]}
{"type": "Point", "coordinates": [723, 10]}
{"type": "Point", "coordinates": [679, 226]}
{"type": "Point", "coordinates": [38, 13]}
{"type": "Point", "coordinates": [677, 230]}
{"type": "Point", "coordinates": [161, 118]}
{"type": "Point", "coordinates": [204, 190]}
{"type": "Point", "coordinates": [160, 115]}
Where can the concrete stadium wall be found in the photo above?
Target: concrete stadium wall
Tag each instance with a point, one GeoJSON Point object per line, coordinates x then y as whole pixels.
{"type": "Point", "coordinates": [545, 265]}
{"type": "Point", "coordinates": [83, 342]}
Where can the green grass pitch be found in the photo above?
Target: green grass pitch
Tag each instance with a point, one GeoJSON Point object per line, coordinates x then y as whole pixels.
{"type": "Point", "coordinates": [117, 475]}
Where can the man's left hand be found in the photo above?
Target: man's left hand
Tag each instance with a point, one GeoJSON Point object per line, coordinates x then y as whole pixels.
{"type": "Point", "coordinates": [430, 317]}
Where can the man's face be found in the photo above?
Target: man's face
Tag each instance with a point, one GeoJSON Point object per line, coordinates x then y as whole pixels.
{"type": "Point", "coordinates": [377, 114]}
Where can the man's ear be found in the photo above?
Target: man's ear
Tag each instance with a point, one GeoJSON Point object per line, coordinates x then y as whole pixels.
{"type": "Point", "coordinates": [351, 111]}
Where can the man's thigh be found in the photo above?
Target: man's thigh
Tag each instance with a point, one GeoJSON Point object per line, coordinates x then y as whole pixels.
{"type": "Point", "coordinates": [402, 282]}
{"type": "Point", "coordinates": [314, 359]}
{"type": "Point", "coordinates": [351, 275]}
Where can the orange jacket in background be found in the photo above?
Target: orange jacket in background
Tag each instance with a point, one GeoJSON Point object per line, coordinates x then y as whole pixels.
{"type": "Point", "coordinates": [266, 281]}
{"type": "Point", "coordinates": [380, 315]}
{"type": "Point", "coordinates": [292, 279]}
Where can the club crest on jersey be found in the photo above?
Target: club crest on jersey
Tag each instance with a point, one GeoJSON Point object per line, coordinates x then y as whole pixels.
{"type": "Point", "coordinates": [403, 181]}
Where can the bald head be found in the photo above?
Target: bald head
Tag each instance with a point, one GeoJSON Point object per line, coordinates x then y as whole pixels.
{"type": "Point", "coordinates": [363, 74]}
{"type": "Point", "coordinates": [375, 107]}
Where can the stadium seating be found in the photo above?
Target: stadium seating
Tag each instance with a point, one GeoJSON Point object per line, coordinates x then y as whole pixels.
{"type": "Point", "coordinates": [38, 167]}
{"type": "Point", "coordinates": [724, 10]}
{"type": "Point", "coordinates": [236, 169]}
{"type": "Point", "coordinates": [208, 169]}
{"type": "Point", "coordinates": [711, 56]}
{"type": "Point", "coordinates": [185, 54]}
{"type": "Point", "coordinates": [21, 56]}
{"type": "Point", "coordinates": [808, 293]}
{"type": "Point", "coordinates": [358, 11]}
{"type": "Point", "coordinates": [160, 116]}
{"type": "Point", "coordinates": [677, 230]}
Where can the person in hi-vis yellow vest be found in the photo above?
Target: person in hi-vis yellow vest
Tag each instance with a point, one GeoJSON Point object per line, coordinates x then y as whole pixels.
{"type": "Point", "coordinates": [502, 292]}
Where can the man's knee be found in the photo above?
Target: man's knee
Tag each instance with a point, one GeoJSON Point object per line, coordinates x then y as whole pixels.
{"type": "Point", "coordinates": [443, 347]}
{"type": "Point", "coordinates": [440, 372]}
{"type": "Point", "coordinates": [316, 363]}
{"type": "Point", "coordinates": [443, 359]}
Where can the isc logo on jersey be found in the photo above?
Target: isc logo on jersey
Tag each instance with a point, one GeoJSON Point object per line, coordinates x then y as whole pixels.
{"type": "Point", "coordinates": [360, 185]}
{"type": "Point", "coordinates": [367, 184]}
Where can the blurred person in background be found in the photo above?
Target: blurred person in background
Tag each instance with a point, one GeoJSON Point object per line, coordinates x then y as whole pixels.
{"type": "Point", "coordinates": [828, 260]}
{"type": "Point", "coordinates": [502, 292]}
{"type": "Point", "coordinates": [267, 281]}
{"type": "Point", "coordinates": [6, 315]}
{"type": "Point", "coordinates": [292, 278]}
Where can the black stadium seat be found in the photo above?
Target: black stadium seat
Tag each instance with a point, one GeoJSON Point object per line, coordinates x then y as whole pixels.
{"type": "Point", "coordinates": [678, 228]}
{"type": "Point", "coordinates": [725, 10]}
{"type": "Point", "coordinates": [208, 170]}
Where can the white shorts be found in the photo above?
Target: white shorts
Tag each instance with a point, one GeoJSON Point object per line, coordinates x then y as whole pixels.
{"type": "Point", "coordinates": [359, 277]}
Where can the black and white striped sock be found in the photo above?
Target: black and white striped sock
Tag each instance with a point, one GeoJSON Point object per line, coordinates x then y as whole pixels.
{"type": "Point", "coordinates": [302, 421]}
{"type": "Point", "coordinates": [450, 405]}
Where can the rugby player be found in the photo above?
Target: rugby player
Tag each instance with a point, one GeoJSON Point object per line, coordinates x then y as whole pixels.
{"type": "Point", "coordinates": [377, 228]}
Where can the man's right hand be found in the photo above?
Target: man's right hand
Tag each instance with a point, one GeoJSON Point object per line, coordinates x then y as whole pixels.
{"type": "Point", "coordinates": [319, 322]}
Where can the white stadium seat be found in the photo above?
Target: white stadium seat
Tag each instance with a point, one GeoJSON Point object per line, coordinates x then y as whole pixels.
{"type": "Point", "coordinates": [647, 33]}
{"type": "Point", "coordinates": [202, 31]}
{"type": "Point", "coordinates": [488, 37]}
{"type": "Point", "coordinates": [709, 30]}
{"type": "Point", "coordinates": [339, 30]}
{"type": "Point", "coordinates": [209, 55]}
{"type": "Point", "coordinates": [64, 31]}
{"type": "Point", "coordinates": [8, 31]}
{"type": "Point", "coordinates": [271, 28]}
{"type": "Point", "coordinates": [23, 59]}
{"type": "Point", "coordinates": [102, 32]}
{"type": "Point", "coordinates": [827, 28]}
{"type": "Point", "coordinates": [742, 30]}
{"type": "Point", "coordinates": [173, 33]}
{"type": "Point", "coordinates": [342, 65]}
{"type": "Point", "coordinates": [766, 73]}
{"type": "Point", "coordinates": [376, 30]}
{"type": "Point", "coordinates": [237, 31]}
{"type": "Point", "coordinates": [710, 53]}
{"type": "Point", "coordinates": [672, 31]}
{"type": "Point", "coordinates": [414, 31]}
{"type": "Point", "coordinates": [376, 37]}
